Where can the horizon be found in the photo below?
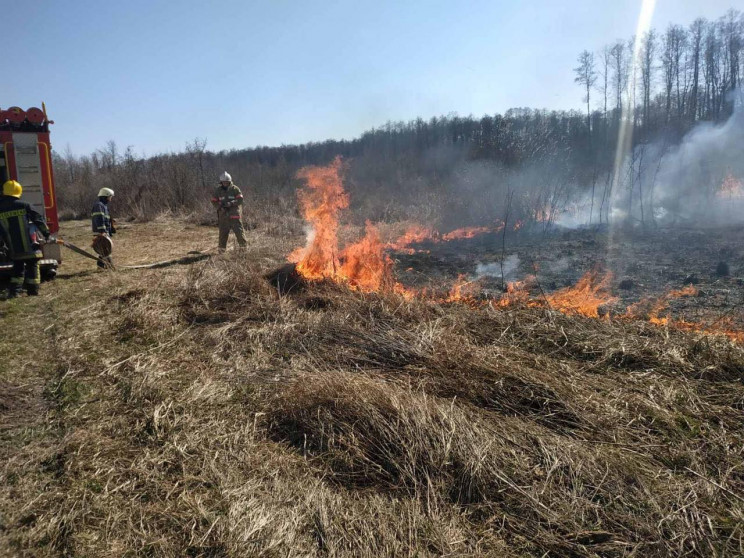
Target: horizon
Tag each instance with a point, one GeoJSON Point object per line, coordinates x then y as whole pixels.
{"type": "Point", "coordinates": [309, 90]}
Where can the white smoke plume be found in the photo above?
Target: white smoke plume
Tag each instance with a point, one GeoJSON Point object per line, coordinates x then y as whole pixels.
{"type": "Point", "coordinates": [696, 181]}
{"type": "Point", "coordinates": [511, 265]}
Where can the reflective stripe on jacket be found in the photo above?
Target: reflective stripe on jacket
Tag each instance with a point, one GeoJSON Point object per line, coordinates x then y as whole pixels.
{"type": "Point", "coordinates": [228, 201]}
{"type": "Point", "coordinates": [15, 217]}
{"type": "Point", "coordinates": [101, 218]}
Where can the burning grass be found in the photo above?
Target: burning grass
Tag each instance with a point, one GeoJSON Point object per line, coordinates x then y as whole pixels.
{"type": "Point", "coordinates": [367, 266]}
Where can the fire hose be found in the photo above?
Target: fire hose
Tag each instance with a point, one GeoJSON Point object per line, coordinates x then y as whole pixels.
{"type": "Point", "coordinates": [77, 250]}
{"type": "Point", "coordinates": [191, 257]}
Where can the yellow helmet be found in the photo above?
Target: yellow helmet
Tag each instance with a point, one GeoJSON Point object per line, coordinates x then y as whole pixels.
{"type": "Point", "coordinates": [12, 188]}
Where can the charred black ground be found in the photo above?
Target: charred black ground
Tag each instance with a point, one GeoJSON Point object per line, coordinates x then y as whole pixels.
{"type": "Point", "coordinates": [644, 264]}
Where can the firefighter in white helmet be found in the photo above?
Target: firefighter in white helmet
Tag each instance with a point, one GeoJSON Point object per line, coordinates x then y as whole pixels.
{"type": "Point", "coordinates": [228, 200]}
{"type": "Point", "coordinates": [103, 227]}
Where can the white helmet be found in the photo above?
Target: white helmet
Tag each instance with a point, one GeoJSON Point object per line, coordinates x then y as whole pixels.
{"type": "Point", "coordinates": [105, 193]}
{"type": "Point", "coordinates": [224, 177]}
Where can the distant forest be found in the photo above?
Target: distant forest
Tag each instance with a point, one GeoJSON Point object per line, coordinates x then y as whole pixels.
{"type": "Point", "coordinates": [454, 170]}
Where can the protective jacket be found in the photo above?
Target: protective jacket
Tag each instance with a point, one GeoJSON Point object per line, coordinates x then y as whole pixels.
{"type": "Point", "coordinates": [16, 216]}
{"type": "Point", "coordinates": [101, 218]}
{"type": "Point", "coordinates": [228, 201]}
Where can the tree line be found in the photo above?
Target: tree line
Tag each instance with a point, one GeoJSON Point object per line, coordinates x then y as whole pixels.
{"type": "Point", "coordinates": [461, 170]}
{"type": "Point", "coordinates": [682, 75]}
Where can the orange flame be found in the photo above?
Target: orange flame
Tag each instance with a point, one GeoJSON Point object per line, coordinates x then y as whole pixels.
{"type": "Point", "coordinates": [321, 203]}
{"type": "Point", "coordinates": [731, 188]}
{"type": "Point", "coordinates": [719, 327]}
{"type": "Point", "coordinates": [415, 234]}
{"type": "Point", "coordinates": [586, 297]}
{"type": "Point", "coordinates": [363, 265]}
{"type": "Point", "coordinates": [463, 290]}
{"type": "Point", "coordinates": [516, 293]}
{"type": "Point", "coordinates": [650, 309]}
{"type": "Point", "coordinates": [465, 232]}
{"type": "Point", "coordinates": [544, 215]}
{"type": "Point", "coordinates": [657, 307]}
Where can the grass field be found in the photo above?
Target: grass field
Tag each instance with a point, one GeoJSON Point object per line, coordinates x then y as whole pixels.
{"type": "Point", "coordinates": [194, 411]}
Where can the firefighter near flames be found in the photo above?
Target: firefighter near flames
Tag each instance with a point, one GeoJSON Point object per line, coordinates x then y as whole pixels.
{"type": "Point", "coordinates": [228, 201]}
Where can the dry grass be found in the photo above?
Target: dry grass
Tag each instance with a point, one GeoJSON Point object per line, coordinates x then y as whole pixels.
{"type": "Point", "coordinates": [196, 412]}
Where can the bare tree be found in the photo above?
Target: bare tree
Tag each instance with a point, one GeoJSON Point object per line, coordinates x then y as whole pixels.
{"type": "Point", "coordinates": [731, 27]}
{"type": "Point", "coordinates": [586, 75]}
{"type": "Point", "coordinates": [195, 150]}
{"type": "Point", "coordinates": [619, 65]}
{"type": "Point", "coordinates": [712, 72]}
{"type": "Point", "coordinates": [673, 46]}
{"type": "Point", "coordinates": [604, 58]}
{"type": "Point", "coordinates": [696, 34]}
{"type": "Point", "coordinates": [648, 52]}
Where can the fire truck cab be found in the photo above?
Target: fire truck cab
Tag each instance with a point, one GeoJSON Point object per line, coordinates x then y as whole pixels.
{"type": "Point", "coordinates": [26, 156]}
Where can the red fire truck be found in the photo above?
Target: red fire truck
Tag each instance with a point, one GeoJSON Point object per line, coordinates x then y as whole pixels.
{"type": "Point", "coordinates": [26, 156]}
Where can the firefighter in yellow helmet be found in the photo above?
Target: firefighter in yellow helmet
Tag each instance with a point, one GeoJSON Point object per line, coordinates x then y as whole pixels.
{"type": "Point", "coordinates": [228, 200]}
{"type": "Point", "coordinates": [16, 218]}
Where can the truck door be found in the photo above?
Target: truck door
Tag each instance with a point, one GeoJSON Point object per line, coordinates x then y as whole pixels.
{"type": "Point", "coordinates": [28, 170]}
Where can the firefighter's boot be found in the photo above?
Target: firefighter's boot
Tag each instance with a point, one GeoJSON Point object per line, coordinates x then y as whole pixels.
{"type": "Point", "coordinates": [14, 291]}
{"type": "Point", "coordinates": [32, 277]}
{"type": "Point", "coordinates": [16, 280]}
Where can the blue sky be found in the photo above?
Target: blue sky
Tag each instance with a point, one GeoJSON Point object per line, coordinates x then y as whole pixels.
{"type": "Point", "coordinates": [154, 74]}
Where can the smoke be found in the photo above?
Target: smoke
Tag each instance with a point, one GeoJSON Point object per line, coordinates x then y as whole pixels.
{"type": "Point", "coordinates": [539, 182]}
{"type": "Point", "coordinates": [511, 265]}
{"type": "Point", "coordinates": [697, 180]}
{"type": "Point", "coordinates": [487, 193]}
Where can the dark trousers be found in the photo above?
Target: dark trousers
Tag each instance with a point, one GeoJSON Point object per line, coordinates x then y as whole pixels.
{"type": "Point", "coordinates": [25, 272]}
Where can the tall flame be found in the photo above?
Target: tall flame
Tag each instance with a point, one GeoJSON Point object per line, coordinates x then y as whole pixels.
{"type": "Point", "coordinates": [363, 264]}
{"type": "Point", "coordinates": [321, 203]}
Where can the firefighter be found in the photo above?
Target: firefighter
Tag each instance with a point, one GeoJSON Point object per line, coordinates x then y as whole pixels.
{"type": "Point", "coordinates": [104, 227]}
{"type": "Point", "coordinates": [228, 200]}
{"type": "Point", "coordinates": [16, 218]}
